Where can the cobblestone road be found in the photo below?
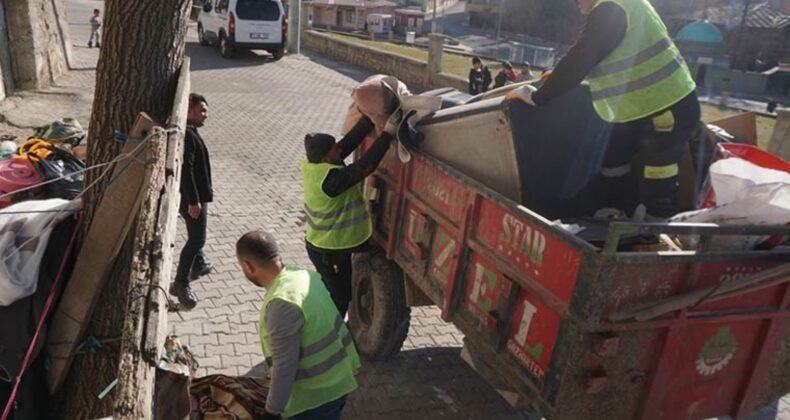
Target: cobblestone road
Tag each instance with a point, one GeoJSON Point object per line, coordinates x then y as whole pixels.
{"type": "Point", "coordinates": [259, 113]}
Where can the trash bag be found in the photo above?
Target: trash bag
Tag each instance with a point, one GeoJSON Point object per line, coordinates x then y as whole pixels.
{"type": "Point", "coordinates": [66, 130]}
{"type": "Point", "coordinates": [66, 168]}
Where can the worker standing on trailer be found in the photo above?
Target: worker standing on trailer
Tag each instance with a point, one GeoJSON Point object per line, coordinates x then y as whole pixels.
{"type": "Point", "coordinates": [338, 222]}
{"type": "Point", "coordinates": [640, 83]}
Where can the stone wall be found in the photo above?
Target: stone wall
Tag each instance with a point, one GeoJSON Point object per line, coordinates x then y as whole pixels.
{"type": "Point", "coordinates": [410, 71]}
{"type": "Point", "coordinates": [38, 42]}
{"type": "Point", "coordinates": [416, 74]}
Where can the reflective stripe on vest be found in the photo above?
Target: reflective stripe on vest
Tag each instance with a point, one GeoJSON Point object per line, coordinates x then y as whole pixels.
{"type": "Point", "coordinates": [645, 73]}
{"type": "Point", "coordinates": [328, 359]}
{"type": "Point", "coordinates": [333, 223]}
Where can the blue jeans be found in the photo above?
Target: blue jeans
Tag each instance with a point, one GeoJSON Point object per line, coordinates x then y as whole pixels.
{"type": "Point", "coordinates": [329, 411]}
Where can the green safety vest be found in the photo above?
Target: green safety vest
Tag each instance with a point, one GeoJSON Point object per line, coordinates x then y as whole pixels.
{"type": "Point", "coordinates": [334, 223]}
{"type": "Point", "coordinates": [328, 359]}
{"type": "Point", "coordinates": [645, 74]}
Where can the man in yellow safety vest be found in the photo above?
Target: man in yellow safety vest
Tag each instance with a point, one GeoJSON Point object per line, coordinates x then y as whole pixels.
{"type": "Point", "coordinates": [309, 352]}
{"type": "Point", "coordinates": [338, 222]}
{"type": "Point", "coordinates": [639, 83]}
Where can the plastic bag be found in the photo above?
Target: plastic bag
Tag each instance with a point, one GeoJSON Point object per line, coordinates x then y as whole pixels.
{"type": "Point", "coordinates": [63, 165]}
{"type": "Point", "coordinates": [746, 194]}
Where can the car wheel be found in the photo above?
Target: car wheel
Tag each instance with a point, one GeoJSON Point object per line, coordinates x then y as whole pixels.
{"type": "Point", "coordinates": [202, 35]}
{"type": "Point", "coordinates": [278, 54]}
{"type": "Point", "coordinates": [225, 50]}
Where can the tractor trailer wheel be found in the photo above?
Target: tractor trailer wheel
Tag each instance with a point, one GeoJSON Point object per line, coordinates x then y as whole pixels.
{"type": "Point", "coordinates": [378, 316]}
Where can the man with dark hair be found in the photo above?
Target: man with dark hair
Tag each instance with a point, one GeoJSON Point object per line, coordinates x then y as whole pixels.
{"type": "Point", "coordinates": [338, 222]}
{"type": "Point", "coordinates": [196, 193]}
{"type": "Point", "coordinates": [309, 352]}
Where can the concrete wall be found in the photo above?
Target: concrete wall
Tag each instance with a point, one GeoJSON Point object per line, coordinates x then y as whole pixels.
{"type": "Point", "coordinates": [416, 74]}
{"type": "Point", "coordinates": [410, 71]}
{"type": "Point", "coordinates": [6, 72]}
{"type": "Point", "coordinates": [38, 42]}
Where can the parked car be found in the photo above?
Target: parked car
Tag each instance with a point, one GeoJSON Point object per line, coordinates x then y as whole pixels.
{"type": "Point", "coordinates": [244, 24]}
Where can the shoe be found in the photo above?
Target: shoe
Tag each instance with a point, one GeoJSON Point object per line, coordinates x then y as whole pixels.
{"type": "Point", "coordinates": [184, 294]}
{"type": "Point", "coordinates": [98, 45]}
{"type": "Point", "coordinates": [201, 270]}
{"type": "Point", "coordinates": [90, 45]}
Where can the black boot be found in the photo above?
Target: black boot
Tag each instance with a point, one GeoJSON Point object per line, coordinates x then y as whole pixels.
{"type": "Point", "coordinates": [90, 44]}
{"type": "Point", "coordinates": [200, 269]}
{"type": "Point", "coordinates": [98, 45]}
{"type": "Point", "coordinates": [183, 292]}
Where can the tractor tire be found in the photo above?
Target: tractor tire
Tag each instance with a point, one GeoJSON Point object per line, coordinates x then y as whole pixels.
{"type": "Point", "coordinates": [225, 50]}
{"type": "Point", "coordinates": [278, 54]}
{"type": "Point", "coordinates": [378, 316]}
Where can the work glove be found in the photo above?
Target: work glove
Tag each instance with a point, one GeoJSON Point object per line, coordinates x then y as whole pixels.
{"type": "Point", "coordinates": [393, 122]}
{"type": "Point", "coordinates": [524, 94]}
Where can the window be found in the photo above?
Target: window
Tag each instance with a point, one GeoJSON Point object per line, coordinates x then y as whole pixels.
{"type": "Point", "coordinates": [222, 6]}
{"type": "Point", "coordinates": [411, 22]}
{"type": "Point", "coordinates": [258, 10]}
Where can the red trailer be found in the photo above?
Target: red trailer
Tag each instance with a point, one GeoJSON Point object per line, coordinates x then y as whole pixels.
{"type": "Point", "coordinates": [574, 330]}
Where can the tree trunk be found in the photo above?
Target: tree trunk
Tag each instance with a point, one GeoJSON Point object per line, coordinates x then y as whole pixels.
{"type": "Point", "coordinates": [142, 53]}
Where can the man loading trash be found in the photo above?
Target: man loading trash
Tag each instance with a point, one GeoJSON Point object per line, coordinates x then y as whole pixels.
{"type": "Point", "coordinates": [338, 223]}
{"type": "Point", "coordinates": [640, 83]}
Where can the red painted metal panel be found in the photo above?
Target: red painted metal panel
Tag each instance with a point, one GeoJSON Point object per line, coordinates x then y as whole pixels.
{"type": "Point", "coordinates": [441, 192]}
{"type": "Point", "coordinates": [533, 334]}
{"type": "Point", "coordinates": [485, 286]}
{"type": "Point", "coordinates": [711, 365]}
{"type": "Point", "coordinates": [444, 256]}
{"type": "Point", "coordinates": [534, 251]}
{"type": "Point", "coordinates": [641, 283]}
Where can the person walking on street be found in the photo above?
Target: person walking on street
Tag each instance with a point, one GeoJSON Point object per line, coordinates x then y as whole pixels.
{"type": "Point", "coordinates": [338, 222]}
{"type": "Point", "coordinates": [505, 76]}
{"type": "Point", "coordinates": [479, 77]}
{"type": "Point", "coordinates": [639, 83]}
{"type": "Point", "coordinates": [95, 29]}
{"type": "Point", "coordinates": [309, 351]}
{"type": "Point", "coordinates": [196, 193]}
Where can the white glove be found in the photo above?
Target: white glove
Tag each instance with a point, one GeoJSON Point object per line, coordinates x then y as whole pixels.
{"type": "Point", "coordinates": [394, 122]}
{"type": "Point", "coordinates": [524, 94]}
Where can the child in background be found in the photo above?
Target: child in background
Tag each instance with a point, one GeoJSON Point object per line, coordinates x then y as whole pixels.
{"type": "Point", "coordinates": [95, 25]}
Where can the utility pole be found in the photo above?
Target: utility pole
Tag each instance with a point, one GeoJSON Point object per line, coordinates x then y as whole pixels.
{"type": "Point", "coordinates": [433, 21]}
{"type": "Point", "coordinates": [499, 26]}
{"type": "Point", "coordinates": [293, 26]}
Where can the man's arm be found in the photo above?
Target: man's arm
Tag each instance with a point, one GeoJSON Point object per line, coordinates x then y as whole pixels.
{"type": "Point", "coordinates": [604, 30]}
{"type": "Point", "coordinates": [283, 321]}
{"type": "Point", "coordinates": [188, 180]}
{"type": "Point", "coordinates": [354, 138]}
{"type": "Point", "coordinates": [340, 180]}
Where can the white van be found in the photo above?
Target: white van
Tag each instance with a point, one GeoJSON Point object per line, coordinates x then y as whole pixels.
{"type": "Point", "coordinates": [244, 24]}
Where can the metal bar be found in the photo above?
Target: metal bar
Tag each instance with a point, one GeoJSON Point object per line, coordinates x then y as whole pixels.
{"type": "Point", "coordinates": [771, 339]}
{"type": "Point", "coordinates": [695, 257]}
{"type": "Point", "coordinates": [397, 222]}
{"type": "Point", "coordinates": [456, 287]}
{"type": "Point", "coordinates": [547, 297]}
{"type": "Point", "coordinates": [505, 315]}
{"type": "Point", "coordinates": [694, 318]}
{"type": "Point", "coordinates": [699, 229]}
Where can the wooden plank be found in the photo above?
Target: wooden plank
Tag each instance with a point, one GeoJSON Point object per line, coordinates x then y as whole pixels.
{"type": "Point", "coordinates": [110, 227]}
{"type": "Point", "coordinates": [135, 376]}
{"type": "Point", "coordinates": [148, 328]}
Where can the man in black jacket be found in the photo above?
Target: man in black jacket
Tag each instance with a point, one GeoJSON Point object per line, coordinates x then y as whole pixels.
{"type": "Point", "coordinates": [196, 193]}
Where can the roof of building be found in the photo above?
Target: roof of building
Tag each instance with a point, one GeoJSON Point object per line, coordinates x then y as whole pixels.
{"type": "Point", "coordinates": [700, 31]}
{"type": "Point", "coordinates": [761, 15]}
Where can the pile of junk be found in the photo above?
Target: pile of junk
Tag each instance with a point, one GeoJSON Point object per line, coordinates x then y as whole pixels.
{"type": "Point", "coordinates": [41, 181]}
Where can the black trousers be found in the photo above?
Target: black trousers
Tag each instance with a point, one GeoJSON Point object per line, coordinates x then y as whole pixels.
{"type": "Point", "coordinates": [661, 141]}
{"type": "Point", "coordinates": [335, 270]}
{"type": "Point", "coordinates": [192, 253]}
